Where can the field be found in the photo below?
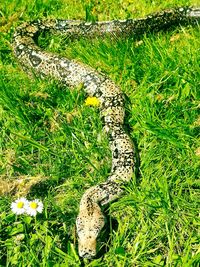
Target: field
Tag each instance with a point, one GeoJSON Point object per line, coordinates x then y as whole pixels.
{"type": "Point", "coordinates": [52, 147]}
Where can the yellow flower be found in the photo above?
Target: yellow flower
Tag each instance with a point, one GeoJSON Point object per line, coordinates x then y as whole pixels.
{"type": "Point", "coordinates": [92, 101]}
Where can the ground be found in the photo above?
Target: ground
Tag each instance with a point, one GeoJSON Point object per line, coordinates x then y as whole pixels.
{"type": "Point", "coordinates": [52, 147]}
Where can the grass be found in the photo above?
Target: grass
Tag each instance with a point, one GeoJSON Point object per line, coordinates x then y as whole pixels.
{"type": "Point", "coordinates": [52, 146]}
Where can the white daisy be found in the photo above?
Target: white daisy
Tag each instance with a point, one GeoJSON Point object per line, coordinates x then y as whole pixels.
{"type": "Point", "coordinates": [33, 207]}
{"type": "Point", "coordinates": [19, 206]}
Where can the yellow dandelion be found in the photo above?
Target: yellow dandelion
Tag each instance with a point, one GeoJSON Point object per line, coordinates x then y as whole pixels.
{"type": "Point", "coordinates": [92, 101]}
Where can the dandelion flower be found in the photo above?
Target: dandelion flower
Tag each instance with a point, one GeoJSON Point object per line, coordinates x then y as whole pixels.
{"type": "Point", "coordinates": [33, 207]}
{"type": "Point", "coordinates": [19, 206]}
{"type": "Point", "coordinates": [92, 101]}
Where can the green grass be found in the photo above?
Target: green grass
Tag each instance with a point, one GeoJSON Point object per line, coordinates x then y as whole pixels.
{"type": "Point", "coordinates": [53, 144]}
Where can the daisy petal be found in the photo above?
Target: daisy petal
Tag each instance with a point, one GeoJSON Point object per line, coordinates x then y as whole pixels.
{"type": "Point", "coordinates": [19, 206]}
{"type": "Point", "coordinates": [34, 207]}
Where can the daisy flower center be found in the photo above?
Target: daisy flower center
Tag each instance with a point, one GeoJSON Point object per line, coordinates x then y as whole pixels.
{"type": "Point", "coordinates": [20, 205]}
{"type": "Point", "coordinates": [33, 205]}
